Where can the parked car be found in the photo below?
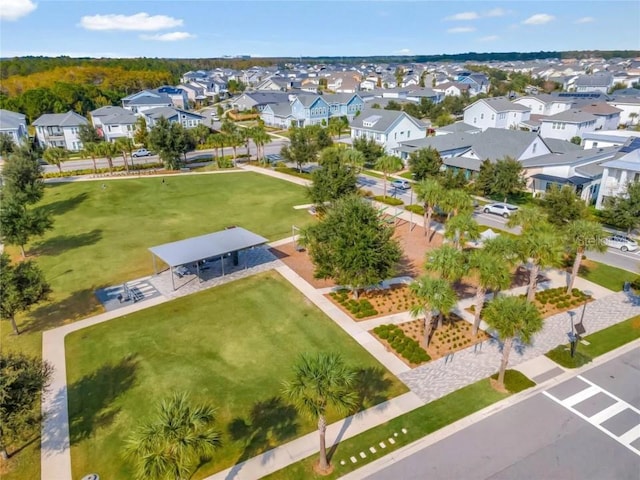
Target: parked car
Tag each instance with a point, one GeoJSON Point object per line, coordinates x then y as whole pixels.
{"type": "Point", "coordinates": [503, 209]}
{"type": "Point", "coordinates": [141, 152]}
{"type": "Point", "coordinates": [625, 244]}
{"type": "Point", "coordinates": [401, 184]}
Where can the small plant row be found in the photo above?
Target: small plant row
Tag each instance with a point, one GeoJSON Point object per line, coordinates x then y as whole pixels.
{"type": "Point", "coordinates": [388, 200]}
{"type": "Point", "coordinates": [402, 344]}
{"type": "Point", "coordinates": [89, 171]}
{"type": "Point", "coordinates": [559, 298]}
{"type": "Point", "coordinates": [361, 308]}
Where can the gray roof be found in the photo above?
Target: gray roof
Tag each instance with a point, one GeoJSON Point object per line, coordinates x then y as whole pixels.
{"type": "Point", "coordinates": [211, 245]}
{"type": "Point", "coordinates": [126, 118]}
{"type": "Point", "coordinates": [386, 119]}
{"type": "Point", "coordinates": [629, 161]}
{"type": "Point", "coordinates": [69, 119]}
{"type": "Point", "coordinates": [442, 143]}
{"type": "Point", "coordinates": [591, 170]}
{"type": "Point", "coordinates": [11, 120]}
{"type": "Point", "coordinates": [569, 158]}
{"type": "Point", "coordinates": [501, 104]}
{"type": "Point", "coordinates": [459, 127]}
{"type": "Point", "coordinates": [557, 145]}
{"type": "Point", "coordinates": [573, 115]}
{"type": "Point", "coordinates": [282, 109]}
{"type": "Point", "coordinates": [463, 162]}
{"type": "Point", "coordinates": [148, 100]}
{"type": "Point", "coordinates": [596, 80]}
{"type": "Point", "coordinates": [497, 143]}
{"type": "Point", "coordinates": [338, 97]}
{"type": "Point", "coordinates": [168, 112]}
{"type": "Point", "coordinates": [108, 110]}
{"type": "Point", "coordinates": [265, 97]}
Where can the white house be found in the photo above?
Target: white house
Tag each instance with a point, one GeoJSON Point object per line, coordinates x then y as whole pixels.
{"type": "Point", "coordinates": [496, 112]}
{"type": "Point", "coordinates": [566, 125]}
{"type": "Point", "coordinates": [59, 130]}
{"type": "Point", "coordinates": [607, 138]}
{"type": "Point", "coordinates": [13, 124]}
{"type": "Point", "coordinates": [113, 122]}
{"type": "Point", "coordinates": [607, 117]}
{"type": "Point", "coordinates": [387, 127]}
{"type": "Point", "coordinates": [174, 115]}
{"type": "Point", "coordinates": [146, 100]}
{"type": "Point", "coordinates": [599, 82]}
{"type": "Point", "coordinates": [618, 173]}
{"type": "Point", "coordinates": [451, 89]}
{"type": "Point", "coordinates": [629, 107]}
{"type": "Point", "coordinates": [544, 104]}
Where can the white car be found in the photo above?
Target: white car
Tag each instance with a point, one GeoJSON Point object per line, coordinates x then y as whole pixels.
{"type": "Point", "coordinates": [401, 184]}
{"type": "Point", "coordinates": [141, 152]}
{"type": "Point", "coordinates": [625, 244]}
{"type": "Point", "coordinates": [503, 209]}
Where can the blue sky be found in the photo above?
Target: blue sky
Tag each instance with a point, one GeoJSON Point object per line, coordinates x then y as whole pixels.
{"type": "Point", "coordinates": [209, 28]}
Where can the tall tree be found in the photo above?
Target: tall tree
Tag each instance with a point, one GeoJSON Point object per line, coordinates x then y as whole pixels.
{"type": "Point", "coordinates": [447, 261]}
{"type": "Point", "coordinates": [483, 183]}
{"type": "Point", "coordinates": [167, 140]}
{"type": "Point", "coordinates": [582, 234]}
{"type": "Point", "coordinates": [508, 178]}
{"type": "Point", "coordinates": [453, 179]}
{"type": "Point", "coordinates": [175, 441]}
{"type": "Point", "coordinates": [461, 229]}
{"type": "Point", "coordinates": [108, 150]}
{"type": "Point", "coordinates": [260, 138]}
{"type": "Point", "coordinates": [22, 177]}
{"type": "Point", "coordinates": [334, 180]}
{"type": "Point", "coordinates": [18, 223]}
{"type": "Point", "coordinates": [56, 156]}
{"type": "Point", "coordinates": [563, 206]}
{"type": "Point", "coordinates": [22, 380]}
{"type": "Point", "coordinates": [455, 201]}
{"type": "Point", "coordinates": [320, 382]}
{"type": "Point", "coordinates": [623, 211]}
{"type": "Point", "coordinates": [512, 317]}
{"type": "Point", "coordinates": [7, 145]}
{"type": "Point", "coordinates": [88, 134]}
{"type": "Point", "coordinates": [388, 164]}
{"type": "Point", "coordinates": [141, 132]}
{"type": "Point", "coordinates": [302, 148]}
{"type": "Point", "coordinates": [434, 296]}
{"type": "Point", "coordinates": [125, 145]}
{"type": "Point", "coordinates": [352, 245]}
{"type": "Point", "coordinates": [92, 150]}
{"type": "Point", "coordinates": [430, 193]}
{"type": "Point", "coordinates": [492, 272]}
{"type": "Point", "coordinates": [371, 150]}
{"type": "Point", "coordinates": [425, 163]}
{"type": "Point", "coordinates": [22, 286]}
{"type": "Point", "coordinates": [354, 159]}
{"type": "Point", "coordinates": [337, 125]}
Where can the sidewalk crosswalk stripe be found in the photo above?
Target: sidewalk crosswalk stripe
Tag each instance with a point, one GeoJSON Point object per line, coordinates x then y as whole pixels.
{"type": "Point", "coordinates": [582, 395]}
{"type": "Point", "coordinates": [631, 435]}
{"type": "Point", "coordinates": [611, 411]}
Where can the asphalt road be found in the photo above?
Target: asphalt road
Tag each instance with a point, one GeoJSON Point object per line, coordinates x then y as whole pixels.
{"type": "Point", "coordinates": [540, 438]}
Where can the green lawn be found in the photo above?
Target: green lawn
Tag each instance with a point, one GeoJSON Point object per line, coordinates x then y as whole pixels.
{"type": "Point", "coordinates": [418, 423]}
{"type": "Point", "coordinates": [605, 275]}
{"type": "Point", "coordinates": [232, 345]}
{"type": "Point", "coordinates": [600, 342]}
{"type": "Point", "coordinates": [101, 235]}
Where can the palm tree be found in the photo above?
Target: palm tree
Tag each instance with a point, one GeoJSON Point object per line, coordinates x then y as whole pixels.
{"type": "Point", "coordinates": [430, 193]}
{"type": "Point", "coordinates": [492, 273]}
{"type": "Point", "coordinates": [388, 164]}
{"type": "Point", "coordinates": [543, 247]}
{"type": "Point", "coordinates": [454, 201]}
{"type": "Point", "coordinates": [526, 218]}
{"type": "Point", "coordinates": [56, 156]}
{"type": "Point", "coordinates": [354, 158]}
{"type": "Point", "coordinates": [447, 261]}
{"type": "Point", "coordinates": [108, 150]}
{"type": "Point", "coordinates": [260, 138]}
{"type": "Point", "coordinates": [321, 381]}
{"type": "Point", "coordinates": [93, 150]}
{"type": "Point", "coordinates": [433, 295]}
{"type": "Point", "coordinates": [582, 234]}
{"type": "Point", "coordinates": [512, 317]}
{"type": "Point", "coordinates": [234, 140]}
{"type": "Point", "coordinates": [125, 145]}
{"type": "Point", "coordinates": [462, 228]}
{"type": "Point", "coordinates": [175, 442]}
{"type": "Point", "coordinates": [218, 141]}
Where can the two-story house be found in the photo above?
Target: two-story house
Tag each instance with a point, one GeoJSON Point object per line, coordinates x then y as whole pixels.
{"type": "Point", "coordinates": [15, 125]}
{"type": "Point", "coordinates": [59, 130]}
{"type": "Point", "coordinates": [478, 82]}
{"type": "Point", "coordinates": [598, 82]}
{"type": "Point", "coordinates": [619, 172]}
{"type": "Point", "coordinates": [146, 100]}
{"type": "Point", "coordinates": [568, 124]}
{"type": "Point", "coordinates": [496, 112]}
{"type": "Point", "coordinates": [544, 104]}
{"type": "Point", "coordinates": [387, 127]}
{"type": "Point", "coordinates": [607, 116]}
{"type": "Point", "coordinates": [629, 108]}
{"type": "Point", "coordinates": [303, 110]}
{"type": "Point", "coordinates": [174, 115]}
{"type": "Point", "coordinates": [113, 122]}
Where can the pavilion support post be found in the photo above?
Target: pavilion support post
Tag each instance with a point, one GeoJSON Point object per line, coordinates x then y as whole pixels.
{"type": "Point", "coordinates": [173, 283]}
{"type": "Point", "coordinates": [222, 263]}
{"type": "Point", "coordinates": [198, 270]}
{"type": "Point", "coordinates": [155, 268]}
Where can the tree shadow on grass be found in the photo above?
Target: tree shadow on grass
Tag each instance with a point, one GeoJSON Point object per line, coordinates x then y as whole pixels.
{"type": "Point", "coordinates": [63, 206]}
{"type": "Point", "coordinates": [270, 421]}
{"type": "Point", "coordinates": [371, 387]}
{"type": "Point", "coordinates": [78, 305]}
{"type": "Point", "coordinates": [56, 245]}
{"type": "Point", "coordinates": [91, 398]}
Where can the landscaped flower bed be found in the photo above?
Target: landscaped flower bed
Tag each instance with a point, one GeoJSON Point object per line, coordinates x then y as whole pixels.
{"type": "Point", "coordinates": [556, 300]}
{"type": "Point", "coordinates": [384, 301]}
{"type": "Point", "coordinates": [404, 346]}
{"type": "Point", "coordinates": [360, 308]}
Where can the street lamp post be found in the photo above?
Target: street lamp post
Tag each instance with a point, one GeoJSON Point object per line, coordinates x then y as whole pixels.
{"type": "Point", "coordinates": [579, 326]}
{"type": "Point", "coordinates": [573, 338]}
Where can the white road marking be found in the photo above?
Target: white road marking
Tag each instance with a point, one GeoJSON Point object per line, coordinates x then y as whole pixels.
{"type": "Point", "coordinates": [599, 418]}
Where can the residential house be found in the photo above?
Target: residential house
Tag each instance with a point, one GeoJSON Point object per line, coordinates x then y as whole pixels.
{"type": "Point", "coordinates": [344, 82]}
{"type": "Point", "coordinates": [452, 89]}
{"type": "Point", "coordinates": [607, 117]}
{"type": "Point", "coordinates": [146, 100]}
{"type": "Point", "coordinates": [303, 110]}
{"type": "Point", "coordinates": [607, 138]}
{"type": "Point", "coordinates": [579, 169]}
{"type": "Point", "coordinates": [387, 127]}
{"type": "Point", "coordinates": [276, 84]}
{"type": "Point", "coordinates": [15, 125]}
{"type": "Point", "coordinates": [629, 108]}
{"type": "Point", "coordinates": [426, 93]}
{"type": "Point", "coordinates": [478, 82]}
{"type": "Point", "coordinates": [59, 130]}
{"type": "Point", "coordinates": [196, 93]}
{"type": "Point", "coordinates": [258, 100]}
{"type": "Point", "coordinates": [544, 104]}
{"type": "Point", "coordinates": [178, 96]}
{"type": "Point", "coordinates": [620, 171]}
{"type": "Point", "coordinates": [599, 82]}
{"type": "Point", "coordinates": [278, 115]}
{"type": "Point", "coordinates": [174, 115]}
{"type": "Point", "coordinates": [568, 124]}
{"type": "Point", "coordinates": [113, 122]}
{"type": "Point", "coordinates": [496, 112]}
{"type": "Point", "coordinates": [457, 127]}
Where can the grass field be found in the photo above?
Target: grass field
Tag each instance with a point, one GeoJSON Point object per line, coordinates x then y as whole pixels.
{"type": "Point", "coordinates": [605, 275]}
{"type": "Point", "coordinates": [101, 234]}
{"type": "Point", "coordinates": [232, 346]}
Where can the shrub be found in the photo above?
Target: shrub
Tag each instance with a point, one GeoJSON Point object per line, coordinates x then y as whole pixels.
{"type": "Point", "coordinates": [415, 209]}
{"type": "Point", "coordinates": [388, 200]}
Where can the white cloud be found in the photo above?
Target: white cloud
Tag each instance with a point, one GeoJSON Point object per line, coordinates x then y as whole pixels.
{"type": "Point", "coordinates": [142, 22]}
{"type": "Point", "coordinates": [403, 51]}
{"type": "Point", "coordinates": [168, 37]}
{"type": "Point", "coordinates": [489, 38]}
{"type": "Point", "coordinates": [464, 16]}
{"type": "Point", "coordinates": [496, 12]}
{"type": "Point", "coordinates": [585, 20]}
{"type": "Point", "coordinates": [14, 9]}
{"type": "Point", "coordinates": [461, 30]}
{"type": "Point", "coordinates": [539, 19]}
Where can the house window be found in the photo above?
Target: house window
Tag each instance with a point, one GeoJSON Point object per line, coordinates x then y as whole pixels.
{"type": "Point", "coordinates": [493, 117]}
{"type": "Point", "coordinates": [482, 116]}
{"type": "Point", "coordinates": [595, 144]}
{"type": "Point", "coordinates": [475, 120]}
{"type": "Point", "coordinates": [534, 148]}
{"type": "Point", "coordinates": [564, 125]}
